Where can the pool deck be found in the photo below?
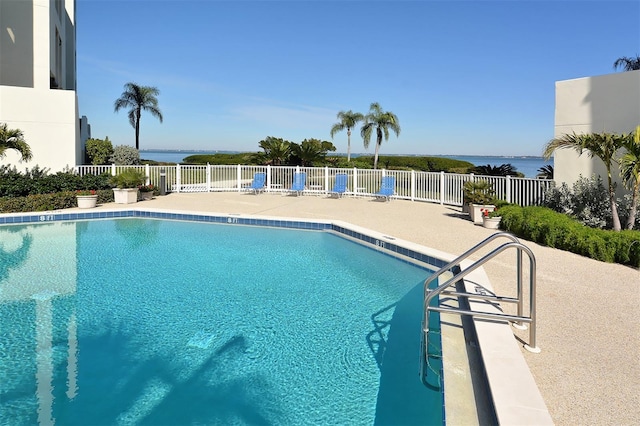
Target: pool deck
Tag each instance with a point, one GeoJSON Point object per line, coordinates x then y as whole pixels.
{"type": "Point", "coordinates": [588, 311]}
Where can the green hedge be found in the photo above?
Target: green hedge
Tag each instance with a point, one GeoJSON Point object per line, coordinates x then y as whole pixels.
{"type": "Point", "coordinates": [545, 226]}
{"type": "Point", "coordinates": [45, 202]}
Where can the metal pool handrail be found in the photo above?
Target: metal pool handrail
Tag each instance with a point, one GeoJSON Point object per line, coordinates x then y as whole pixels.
{"type": "Point", "coordinates": [458, 274]}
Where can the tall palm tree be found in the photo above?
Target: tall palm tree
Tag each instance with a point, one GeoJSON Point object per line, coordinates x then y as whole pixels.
{"type": "Point", "coordinates": [138, 98]}
{"type": "Point", "coordinates": [348, 120]}
{"type": "Point", "coordinates": [601, 145]}
{"type": "Point", "coordinates": [627, 64]}
{"type": "Point", "coordinates": [14, 139]}
{"type": "Point", "coordinates": [630, 172]}
{"type": "Point", "coordinates": [381, 121]}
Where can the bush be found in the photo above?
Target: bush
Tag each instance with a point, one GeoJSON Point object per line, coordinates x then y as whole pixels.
{"type": "Point", "coordinates": [124, 155]}
{"type": "Point", "coordinates": [588, 202]}
{"type": "Point", "coordinates": [128, 178]}
{"type": "Point", "coordinates": [545, 226]}
{"type": "Point", "coordinates": [99, 151]}
{"type": "Point", "coordinates": [46, 202]}
{"type": "Point", "coordinates": [38, 181]}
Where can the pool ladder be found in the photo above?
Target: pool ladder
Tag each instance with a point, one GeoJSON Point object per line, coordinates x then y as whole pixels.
{"type": "Point", "coordinates": [519, 320]}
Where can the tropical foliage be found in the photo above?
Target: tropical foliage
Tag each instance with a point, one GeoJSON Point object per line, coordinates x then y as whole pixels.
{"type": "Point", "coordinates": [13, 139]}
{"type": "Point", "coordinates": [347, 120]}
{"type": "Point", "coordinates": [136, 99]}
{"type": "Point", "coordinates": [381, 122]}
{"type": "Point", "coordinates": [99, 151]}
{"type": "Point", "coordinates": [601, 145]}
{"type": "Point", "coordinates": [627, 64]}
{"type": "Point", "coordinates": [276, 150]}
{"type": "Point", "coordinates": [545, 172]}
{"type": "Point", "coordinates": [501, 170]}
{"type": "Point", "coordinates": [630, 172]}
{"type": "Point", "coordinates": [310, 152]}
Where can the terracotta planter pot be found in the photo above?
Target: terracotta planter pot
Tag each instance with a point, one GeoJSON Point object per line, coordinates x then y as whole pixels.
{"type": "Point", "coordinates": [146, 195]}
{"type": "Point", "coordinates": [86, 201]}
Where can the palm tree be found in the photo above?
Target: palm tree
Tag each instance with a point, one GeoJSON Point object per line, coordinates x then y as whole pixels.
{"type": "Point", "coordinates": [545, 172]}
{"type": "Point", "coordinates": [348, 120]}
{"type": "Point", "coordinates": [601, 145]}
{"type": "Point", "coordinates": [138, 98]}
{"type": "Point", "coordinates": [630, 172]}
{"type": "Point", "coordinates": [381, 121]}
{"type": "Point", "coordinates": [14, 139]}
{"type": "Point", "coordinates": [627, 64]}
{"type": "Point", "coordinates": [276, 150]}
{"type": "Point", "coordinates": [501, 170]}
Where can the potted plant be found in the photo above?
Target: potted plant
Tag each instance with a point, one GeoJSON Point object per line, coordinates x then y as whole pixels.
{"type": "Point", "coordinates": [146, 191]}
{"type": "Point", "coordinates": [479, 196]}
{"type": "Point", "coordinates": [126, 185]}
{"type": "Point", "coordinates": [86, 198]}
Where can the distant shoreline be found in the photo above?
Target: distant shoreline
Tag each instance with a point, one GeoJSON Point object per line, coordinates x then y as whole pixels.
{"type": "Point", "coordinates": [343, 154]}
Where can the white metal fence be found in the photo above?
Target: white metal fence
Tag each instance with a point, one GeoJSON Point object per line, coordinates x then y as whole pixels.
{"type": "Point", "coordinates": [435, 187]}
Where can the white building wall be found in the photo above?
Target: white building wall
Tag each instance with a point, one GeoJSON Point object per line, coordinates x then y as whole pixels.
{"type": "Point", "coordinates": [607, 103]}
{"type": "Point", "coordinates": [47, 116]}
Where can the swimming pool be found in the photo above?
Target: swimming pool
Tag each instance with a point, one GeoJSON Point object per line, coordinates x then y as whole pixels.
{"type": "Point", "coordinates": [182, 322]}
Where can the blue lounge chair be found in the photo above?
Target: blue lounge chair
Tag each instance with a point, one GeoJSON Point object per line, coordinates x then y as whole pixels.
{"type": "Point", "coordinates": [258, 183]}
{"type": "Point", "coordinates": [340, 185]}
{"type": "Point", "coordinates": [387, 188]}
{"type": "Point", "coordinates": [299, 182]}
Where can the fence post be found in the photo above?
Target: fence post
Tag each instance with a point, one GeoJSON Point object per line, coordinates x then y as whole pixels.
{"type": "Point", "coordinates": [178, 178]}
{"type": "Point", "coordinates": [268, 177]}
{"type": "Point", "coordinates": [442, 188]}
{"type": "Point", "coordinates": [239, 177]}
{"type": "Point", "coordinates": [508, 189]}
{"type": "Point", "coordinates": [113, 169]}
{"type": "Point", "coordinates": [147, 172]}
{"type": "Point", "coordinates": [355, 181]}
{"type": "Point", "coordinates": [326, 178]}
{"type": "Point", "coordinates": [413, 185]}
{"type": "Point", "coordinates": [208, 177]}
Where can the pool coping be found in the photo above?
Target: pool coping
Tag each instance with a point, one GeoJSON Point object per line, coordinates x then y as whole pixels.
{"type": "Point", "coordinates": [515, 396]}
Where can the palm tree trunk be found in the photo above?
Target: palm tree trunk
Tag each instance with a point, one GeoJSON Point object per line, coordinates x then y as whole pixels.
{"type": "Point", "coordinates": [348, 145]}
{"type": "Point", "coordinates": [612, 200]}
{"type": "Point", "coordinates": [138, 129]}
{"type": "Point", "coordinates": [375, 158]}
{"type": "Point", "coordinates": [634, 206]}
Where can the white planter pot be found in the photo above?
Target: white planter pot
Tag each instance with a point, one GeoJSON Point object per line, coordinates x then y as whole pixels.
{"type": "Point", "coordinates": [491, 222]}
{"type": "Point", "coordinates": [86, 201]}
{"type": "Point", "coordinates": [476, 211]}
{"type": "Point", "coordinates": [125, 195]}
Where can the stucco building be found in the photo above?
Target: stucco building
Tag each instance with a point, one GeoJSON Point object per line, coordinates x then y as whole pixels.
{"type": "Point", "coordinates": [606, 103]}
{"type": "Point", "coordinates": [38, 81]}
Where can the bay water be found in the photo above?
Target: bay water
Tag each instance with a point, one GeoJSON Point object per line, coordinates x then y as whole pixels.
{"type": "Point", "coordinates": [524, 164]}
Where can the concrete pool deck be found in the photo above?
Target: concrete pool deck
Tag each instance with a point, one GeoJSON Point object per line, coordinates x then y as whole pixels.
{"type": "Point", "coordinates": [588, 311]}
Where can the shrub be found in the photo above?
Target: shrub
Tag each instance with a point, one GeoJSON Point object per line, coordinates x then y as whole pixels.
{"type": "Point", "coordinates": [38, 181]}
{"type": "Point", "coordinates": [99, 151]}
{"type": "Point", "coordinates": [46, 202]}
{"type": "Point", "coordinates": [124, 155]}
{"type": "Point", "coordinates": [543, 225]}
{"type": "Point", "coordinates": [128, 178]}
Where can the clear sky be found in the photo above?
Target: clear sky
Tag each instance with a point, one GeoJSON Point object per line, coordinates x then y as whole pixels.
{"type": "Point", "coordinates": [463, 77]}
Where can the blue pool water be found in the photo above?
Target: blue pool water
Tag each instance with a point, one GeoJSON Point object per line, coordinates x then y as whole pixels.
{"type": "Point", "coordinates": [137, 321]}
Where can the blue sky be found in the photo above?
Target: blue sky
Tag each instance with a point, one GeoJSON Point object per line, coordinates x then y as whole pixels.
{"type": "Point", "coordinates": [463, 77]}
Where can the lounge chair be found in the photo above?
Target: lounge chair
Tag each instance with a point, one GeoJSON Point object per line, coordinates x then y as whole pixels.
{"type": "Point", "coordinates": [387, 188]}
{"type": "Point", "coordinates": [299, 182]}
{"type": "Point", "coordinates": [258, 183]}
{"type": "Point", "coordinates": [340, 186]}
